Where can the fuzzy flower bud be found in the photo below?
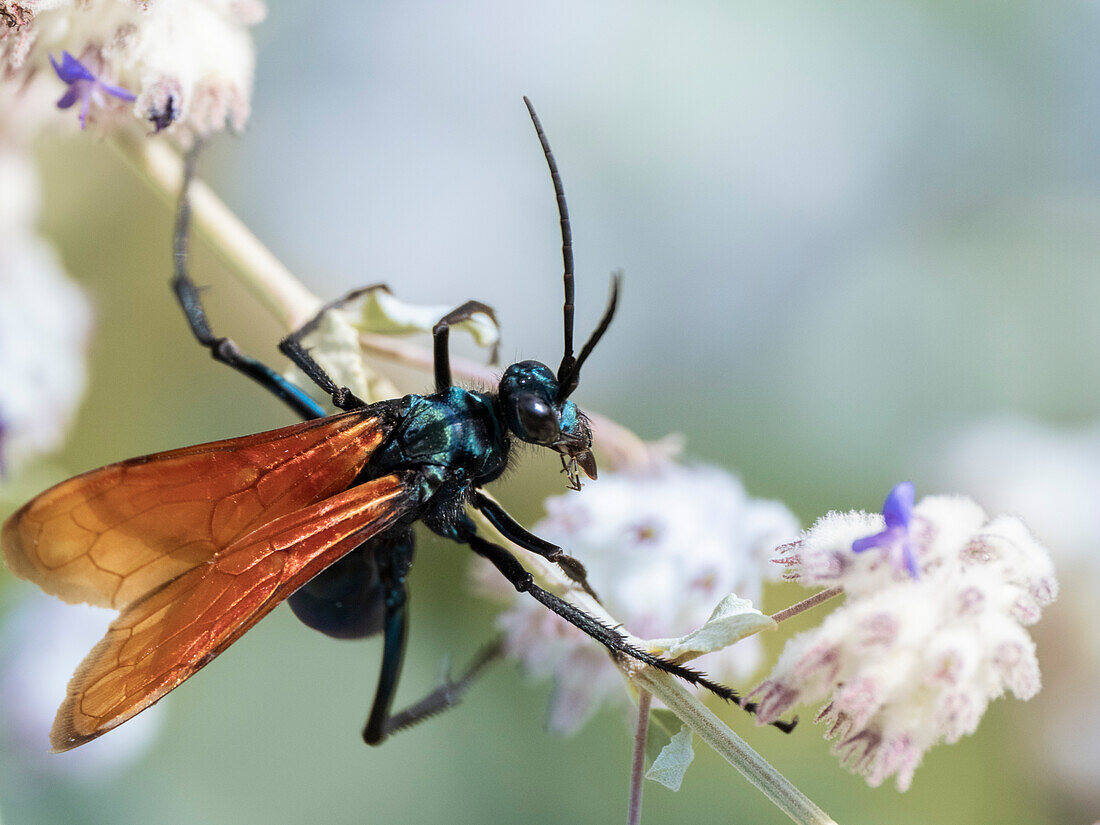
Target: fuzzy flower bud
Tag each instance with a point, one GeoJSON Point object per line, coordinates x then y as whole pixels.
{"type": "Point", "coordinates": [927, 637]}
{"type": "Point", "coordinates": [662, 548]}
{"type": "Point", "coordinates": [164, 62]}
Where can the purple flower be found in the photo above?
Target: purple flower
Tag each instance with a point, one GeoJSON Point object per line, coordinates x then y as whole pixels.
{"type": "Point", "coordinates": [895, 539]}
{"type": "Point", "coordinates": [83, 86]}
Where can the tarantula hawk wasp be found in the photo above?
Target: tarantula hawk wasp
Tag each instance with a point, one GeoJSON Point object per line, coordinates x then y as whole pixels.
{"type": "Point", "coordinates": [194, 546]}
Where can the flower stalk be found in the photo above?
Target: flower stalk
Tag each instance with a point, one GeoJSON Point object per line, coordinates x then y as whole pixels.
{"type": "Point", "coordinates": [280, 292]}
{"type": "Point", "coordinates": [804, 605]}
{"type": "Point", "coordinates": [693, 713]}
{"type": "Point", "coordinates": [637, 767]}
{"type": "Point", "coordinates": [729, 746]}
{"type": "Point", "coordinates": [253, 264]}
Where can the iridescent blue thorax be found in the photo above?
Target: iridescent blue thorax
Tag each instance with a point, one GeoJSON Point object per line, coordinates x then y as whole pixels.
{"type": "Point", "coordinates": [458, 439]}
{"type": "Point", "coordinates": [454, 437]}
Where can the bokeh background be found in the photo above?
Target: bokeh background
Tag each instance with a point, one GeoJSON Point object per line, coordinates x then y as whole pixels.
{"type": "Point", "coordinates": [860, 243]}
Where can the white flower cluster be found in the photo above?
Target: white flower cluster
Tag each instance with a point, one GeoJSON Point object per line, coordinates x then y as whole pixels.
{"type": "Point", "coordinates": [662, 548]}
{"type": "Point", "coordinates": [188, 62]}
{"type": "Point", "coordinates": [184, 65]}
{"type": "Point", "coordinates": [907, 662]}
{"type": "Point", "coordinates": [45, 320]}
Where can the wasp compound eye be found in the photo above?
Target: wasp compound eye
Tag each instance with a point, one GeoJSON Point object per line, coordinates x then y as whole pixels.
{"type": "Point", "coordinates": [537, 418]}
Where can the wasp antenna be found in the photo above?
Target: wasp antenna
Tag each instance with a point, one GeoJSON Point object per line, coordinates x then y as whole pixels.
{"type": "Point", "coordinates": [568, 382]}
{"type": "Point", "coordinates": [567, 360]}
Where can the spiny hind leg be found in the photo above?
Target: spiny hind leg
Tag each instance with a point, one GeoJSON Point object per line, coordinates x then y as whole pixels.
{"type": "Point", "coordinates": [393, 561]}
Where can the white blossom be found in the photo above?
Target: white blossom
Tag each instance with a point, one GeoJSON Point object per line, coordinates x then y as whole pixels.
{"type": "Point", "coordinates": [1048, 475]}
{"type": "Point", "coordinates": [909, 661]}
{"type": "Point", "coordinates": [45, 320]}
{"type": "Point", "coordinates": [26, 107]}
{"type": "Point", "coordinates": [43, 640]}
{"type": "Point", "coordinates": [189, 62]}
{"type": "Point", "coordinates": [662, 548]}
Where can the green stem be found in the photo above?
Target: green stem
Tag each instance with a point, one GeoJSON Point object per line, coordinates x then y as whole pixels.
{"type": "Point", "coordinates": [637, 768]}
{"type": "Point", "coordinates": [261, 273]}
{"type": "Point", "coordinates": [731, 747]}
{"type": "Point", "coordinates": [691, 711]}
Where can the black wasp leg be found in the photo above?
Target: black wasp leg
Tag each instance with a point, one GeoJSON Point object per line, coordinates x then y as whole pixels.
{"type": "Point", "coordinates": [441, 333]}
{"type": "Point", "coordinates": [393, 652]}
{"type": "Point", "coordinates": [291, 347]}
{"type": "Point", "coordinates": [223, 349]}
{"type": "Point", "coordinates": [512, 570]}
{"type": "Point", "coordinates": [447, 695]}
{"type": "Point", "coordinates": [517, 534]}
{"type": "Point", "coordinates": [612, 639]}
{"type": "Point", "coordinates": [394, 559]}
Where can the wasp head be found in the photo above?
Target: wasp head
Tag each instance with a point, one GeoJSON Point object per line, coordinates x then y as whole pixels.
{"type": "Point", "coordinates": [529, 395]}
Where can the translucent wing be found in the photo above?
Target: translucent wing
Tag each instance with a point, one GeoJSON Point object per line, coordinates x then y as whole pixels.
{"type": "Point", "coordinates": [112, 535]}
{"type": "Point", "coordinates": [162, 639]}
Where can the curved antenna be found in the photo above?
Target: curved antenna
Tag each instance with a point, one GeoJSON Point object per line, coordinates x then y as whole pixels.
{"type": "Point", "coordinates": [568, 382]}
{"type": "Point", "coordinates": [567, 361]}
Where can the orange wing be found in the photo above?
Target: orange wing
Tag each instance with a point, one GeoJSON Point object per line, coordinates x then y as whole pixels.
{"type": "Point", "coordinates": [164, 638]}
{"type": "Point", "coordinates": [112, 535]}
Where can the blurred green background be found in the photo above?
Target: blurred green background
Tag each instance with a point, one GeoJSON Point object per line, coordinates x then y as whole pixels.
{"type": "Point", "coordinates": [847, 231]}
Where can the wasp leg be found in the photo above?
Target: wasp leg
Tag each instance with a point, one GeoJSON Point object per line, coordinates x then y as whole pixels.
{"type": "Point", "coordinates": [610, 638]}
{"type": "Point", "coordinates": [339, 303]}
{"type": "Point", "coordinates": [517, 534]}
{"type": "Point", "coordinates": [291, 347]}
{"type": "Point", "coordinates": [441, 334]}
{"type": "Point", "coordinates": [446, 696]}
{"type": "Point", "coordinates": [223, 349]}
{"type": "Point", "coordinates": [393, 561]}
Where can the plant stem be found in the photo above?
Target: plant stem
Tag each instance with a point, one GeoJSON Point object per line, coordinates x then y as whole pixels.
{"type": "Point", "coordinates": [255, 266]}
{"type": "Point", "coordinates": [806, 604]}
{"type": "Point", "coordinates": [637, 768]}
{"type": "Point", "coordinates": [691, 711]}
{"type": "Point", "coordinates": [732, 747]}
